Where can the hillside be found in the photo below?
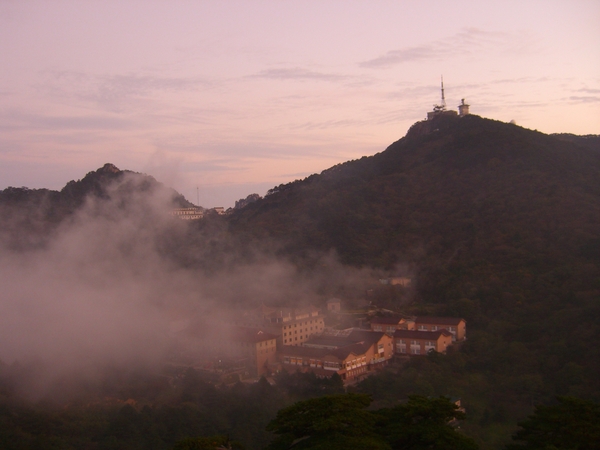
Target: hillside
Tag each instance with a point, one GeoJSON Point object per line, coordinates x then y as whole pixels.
{"type": "Point", "coordinates": [28, 216]}
{"type": "Point", "coordinates": [475, 198]}
{"type": "Point", "coordinates": [474, 184]}
{"type": "Point", "coordinates": [494, 223]}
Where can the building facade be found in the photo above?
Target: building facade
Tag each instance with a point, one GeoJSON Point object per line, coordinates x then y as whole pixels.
{"type": "Point", "coordinates": [455, 325]}
{"type": "Point", "coordinates": [411, 342]}
{"type": "Point", "coordinates": [353, 356]}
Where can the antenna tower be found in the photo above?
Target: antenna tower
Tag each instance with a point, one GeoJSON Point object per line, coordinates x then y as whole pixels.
{"type": "Point", "coordinates": [443, 105]}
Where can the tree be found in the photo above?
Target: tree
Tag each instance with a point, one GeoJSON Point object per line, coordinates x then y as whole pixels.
{"type": "Point", "coordinates": [207, 443]}
{"type": "Point", "coordinates": [329, 422]}
{"type": "Point", "coordinates": [423, 423]}
{"type": "Point", "coordinates": [572, 424]}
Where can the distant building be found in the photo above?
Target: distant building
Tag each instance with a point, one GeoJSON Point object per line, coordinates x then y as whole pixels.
{"type": "Point", "coordinates": [463, 108]}
{"type": "Point", "coordinates": [353, 355]}
{"type": "Point", "coordinates": [411, 342]}
{"type": "Point", "coordinates": [293, 326]}
{"type": "Point", "coordinates": [388, 324]}
{"type": "Point", "coordinates": [188, 213]}
{"type": "Point", "coordinates": [438, 110]}
{"type": "Point", "coordinates": [455, 325]}
{"type": "Point", "coordinates": [396, 281]}
{"type": "Point", "coordinates": [334, 305]}
{"type": "Point", "coordinates": [258, 346]}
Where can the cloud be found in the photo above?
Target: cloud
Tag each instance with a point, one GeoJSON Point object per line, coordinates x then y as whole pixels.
{"type": "Point", "coordinates": [13, 120]}
{"type": "Point", "coordinates": [104, 290]}
{"type": "Point", "coordinates": [589, 91]}
{"type": "Point", "coordinates": [463, 43]}
{"type": "Point", "coordinates": [297, 73]}
{"type": "Point", "coordinates": [584, 99]}
{"type": "Point", "coordinates": [115, 92]}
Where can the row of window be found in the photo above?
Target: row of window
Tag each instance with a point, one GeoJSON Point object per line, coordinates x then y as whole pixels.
{"type": "Point", "coordinates": [267, 350]}
{"type": "Point", "coordinates": [414, 342]}
{"type": "Point", "coordinates": [296, 331]}
{"type": "Point", "coordinates": [413, 350]}
{"type": "Point", "coordinates": [435, 328]}
{"type": "Point", "coordinates": [308, 322]}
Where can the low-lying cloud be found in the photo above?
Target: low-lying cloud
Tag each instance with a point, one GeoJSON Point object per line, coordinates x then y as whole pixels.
{"type": "Point", "coordinates": [108, 285]}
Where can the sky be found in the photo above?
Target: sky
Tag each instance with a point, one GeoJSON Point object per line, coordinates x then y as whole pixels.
{"type": "Point", "coordinates": [221, 99]}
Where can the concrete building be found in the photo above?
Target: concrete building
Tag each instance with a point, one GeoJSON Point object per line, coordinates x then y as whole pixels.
{"type": "Point", "coordinates": [388, 324]}
{"type": "Point", "coordinates": [353, 354]}
{"type": "Point", "coordinates": [411, 342]}
{"type": "Point", "coordinates": [188, 213]}
{"type": "Point", "coordinates": [334, 305]}
{"type": "Point", "coordinates": [438, 110]}
{"type": "Point", "coordinates": [293, 326]}
{"type": "Point", "coordinates": [455, 325]}
{"type": "Point", "coordinates": [257, 347]}
{"type": "Point", "coordinates": [463, 108]}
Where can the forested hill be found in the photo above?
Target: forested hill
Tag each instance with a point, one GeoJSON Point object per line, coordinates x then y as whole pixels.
{"type": "Point", "coordinates": [28, 215]}
{"type": "Point", "coordinates": [494, 223]}
{"type": "Point", "coordinates": [457, 199]}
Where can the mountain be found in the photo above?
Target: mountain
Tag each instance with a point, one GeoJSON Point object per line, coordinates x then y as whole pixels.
{"type": "Point", "coordinates": [494, 223]}
{"type": "Point", "coordinates": [27, 216]}
{"type": "Point", "coordinates": [452, 192]}
{"type": "Point", "coordinates": [491, 222]}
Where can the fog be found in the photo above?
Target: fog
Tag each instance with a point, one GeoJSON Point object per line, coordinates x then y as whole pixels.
{"type": "Point", "coordinates": [109, 287]}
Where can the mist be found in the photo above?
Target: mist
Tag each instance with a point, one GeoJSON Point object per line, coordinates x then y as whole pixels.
{"type": "Point", "coordinates": [113, 284]}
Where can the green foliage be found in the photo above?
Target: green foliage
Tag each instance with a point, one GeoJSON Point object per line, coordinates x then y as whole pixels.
{"type": "Point", "coordinates": [423, 423]}
{"type": "Point", "coordinates": [342, 421]}
{"type": "Point", "coordinates": [332, 421]}
{"type": "Point", "coordinates": [571, 424]}
{"type": "Point", "coordinates": [207, 443]}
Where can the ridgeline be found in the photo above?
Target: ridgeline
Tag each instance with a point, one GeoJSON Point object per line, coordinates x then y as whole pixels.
{"type": "Point", "coordinates": [493, 222]}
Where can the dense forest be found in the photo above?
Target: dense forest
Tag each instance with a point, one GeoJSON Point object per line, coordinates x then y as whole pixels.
{"type": "Point", "coordinates": [492, 222]}
{"type": "Point", "coordinates": [497, 224]}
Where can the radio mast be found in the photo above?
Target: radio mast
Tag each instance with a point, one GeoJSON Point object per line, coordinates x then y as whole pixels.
{"type": "Point", "coordinates": [443, 105]}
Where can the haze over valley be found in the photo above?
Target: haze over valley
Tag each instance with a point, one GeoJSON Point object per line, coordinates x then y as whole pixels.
{"type": "Point", "coordinates": [299, 225]}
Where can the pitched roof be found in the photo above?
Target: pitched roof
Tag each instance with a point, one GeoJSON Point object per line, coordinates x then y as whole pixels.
{"type": "Point", "coordinates": [439, 320]}
{"type": "Point", "coordinates": [414, 334]}
{"type": "Point", "coordinates": [338, 353]}
{"type": "Point", "coordinates": [387, 320]}
{"type": "Point", "coordinates": [341, 341]}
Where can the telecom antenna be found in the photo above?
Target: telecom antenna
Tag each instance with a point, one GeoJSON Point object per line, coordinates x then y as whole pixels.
{"type": "Point", "coordinates": [443, 105]}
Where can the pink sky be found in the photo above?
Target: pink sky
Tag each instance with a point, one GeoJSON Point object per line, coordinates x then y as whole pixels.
{"type": "Point", "coordinates": [235, 97]}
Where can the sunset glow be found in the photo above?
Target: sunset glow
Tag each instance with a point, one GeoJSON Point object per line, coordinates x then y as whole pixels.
{"type": "Point", "coordinates": [237, 97]}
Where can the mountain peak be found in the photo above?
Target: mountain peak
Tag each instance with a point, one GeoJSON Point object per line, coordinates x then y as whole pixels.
{"type": "Point", "coordinates": [109, 168]}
